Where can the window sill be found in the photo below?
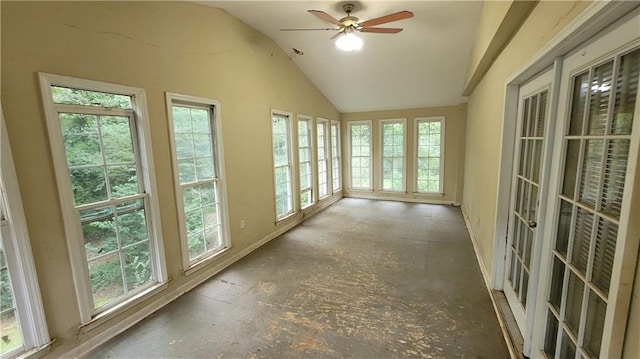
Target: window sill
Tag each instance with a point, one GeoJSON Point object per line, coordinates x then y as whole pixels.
{"type": "Point", "coordinates": [120, 308]}
{"type": "Point", "coordinates": [387, 191]}
{"type": "Point", "coordinates": [35, 353]}
{"type": "Point", "coordinates": [205, 261]}
{"type": "Point", "coordinates": [360, 190]}
{"type": "Point", "coordinates": [285, 218]}
{"type": "Point", "coordinates": [429, 194]}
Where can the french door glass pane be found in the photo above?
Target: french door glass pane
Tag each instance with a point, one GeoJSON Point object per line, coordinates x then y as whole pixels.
{"type": "Point", "coordinates": [596, 158]}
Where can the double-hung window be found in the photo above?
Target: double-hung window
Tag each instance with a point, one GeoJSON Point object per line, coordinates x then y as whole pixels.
{"type": "Point", "coordinates": [282, 164]}
{"type": "Point", "coordinates": [304, 160]}
{"type": "Point", "coordinates": [22, 321]}
{"type": "Point", "coordinates": [429, 154]}
{"type": "Point", "coordinates": [336, 157]}
{"type": "Point", "coordinates": [393, 154]}
{"type": "Point", "coordinates": [323, 165]}
{"type": "Point", "coordinates": [360, 155]}
{"type": "Point", "coordinates": [99, 136]}
{"type": "Point", "coordinates": [196, 138]}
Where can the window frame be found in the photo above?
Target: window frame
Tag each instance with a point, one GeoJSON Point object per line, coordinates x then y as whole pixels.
{"type": "Point", "coordinates": [349, 154]}
{"type": "Point", "coordinates": [417, 121]}
{"type": "Point", "coordinates": [312, 158]}
{"type": "Point", "coordinates": [72, 227]}
{"type": "Point", "coordinates": [327, 158]}
{"type": "Point", "coordinates": [336, 156]}
{"type": "Point", "coordinates": [19, 256]}
{"type": "Point", "coordinates": [290, 165]}
{"type": "Point", "coordinates": [215, 121]}
{"type": "Point", "coordinates": [403, 121]}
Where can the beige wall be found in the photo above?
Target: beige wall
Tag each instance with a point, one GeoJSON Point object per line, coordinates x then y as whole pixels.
{"type": "Point", "coordinates": [158, 46]}
{"type": "Point", "coordinates": [453, 152]}
{"type": "Point", "coordinates": [484, 126]}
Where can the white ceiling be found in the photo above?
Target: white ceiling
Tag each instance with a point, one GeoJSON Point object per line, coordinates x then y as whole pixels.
{"type": "Point", "coordinates": [423, 66]}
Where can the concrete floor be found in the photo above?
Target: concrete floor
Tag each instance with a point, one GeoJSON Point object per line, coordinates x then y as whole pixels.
{"type": "Point", "coordinates": [362, 279]}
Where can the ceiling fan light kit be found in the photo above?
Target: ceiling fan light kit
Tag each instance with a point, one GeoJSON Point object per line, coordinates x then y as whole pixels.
{"type": "Point", "coordinates": [347, 40]}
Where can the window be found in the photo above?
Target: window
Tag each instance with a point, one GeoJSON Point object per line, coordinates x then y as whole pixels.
{"type": "Point", "coordinates": [196, 134]}
{"type": "Point", "coordinates": [429, 154]}
{"type": "Point", "coordinates": [22, 322]}
{"type": "Point", "coordinates": [304, 158]}
{"type": "Point", "coordinates": [281, 132]}
{"type": "Point", "coordinates": [99, 138]}
{"type": "Point", "coordinates": [360, 154]}
{"type": "Point", "coordinates": [336, 157]}
{"type": "Point", "coordinates": [323, 174]}
{"type": "Point", "coordinates": [393, 145]}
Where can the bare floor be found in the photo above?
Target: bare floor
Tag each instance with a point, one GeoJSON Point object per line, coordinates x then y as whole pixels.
{"type": "Point", "coordinates": [361, 279]}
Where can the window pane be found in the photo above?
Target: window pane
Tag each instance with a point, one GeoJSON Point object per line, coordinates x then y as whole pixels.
{"type": "Point", "coordinates": [99, 231]}
{"type": "Point", "coordinates": [605, 250]}
{"type": "Point", "coordinates": [11, 336]}
{"type": "Point", "coordinates": [360, 139]}
{"type": "Point", "coordinates": [428, 154]}
{"type": "Point", "coordinates": [393, 156]}
{"type": "Point", "coordinates": [137, 265]}
{"type": "Point", "coordinates": [132, 225]}
{"type": "Point", "coordinates": [574, 302]}
{"type": "Point", "coordinates": [599, 100]}
{"type": "Point", "coordinates": [106, 278]}
{"type": "Point", "coordinates": [550, 335]}
{"type": "Point", "coordinates": [69, 96]}
{"type": "Point", "coordinates": [117, 139]}
{"type": "Point", "coordinates": [580, 88]}
{"type": "Point", "coordinates": [81, 139]}
{"type": "Point", "coordinates": [626, 93]}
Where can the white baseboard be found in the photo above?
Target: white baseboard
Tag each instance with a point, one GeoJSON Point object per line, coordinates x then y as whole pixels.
{"type": "Point", "coordinates": [196, 279]}
{"type": "Point", "coordinates": [487, 282]}
{"type": "Point", "coordinates": [476, 250]}
{"type": "Point", "coordinates": [399, 198]}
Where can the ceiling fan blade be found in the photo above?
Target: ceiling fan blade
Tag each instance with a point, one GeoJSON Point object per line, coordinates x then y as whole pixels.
{"type": "Point", "coordinates": [336, 35]}
{"type": "Point", "coordinates": [327, 29]}
{"type": "Point", "coordinates": [387, 18]}
{"type": "Point", "coordinates": [326, 17]}
{"type": "Point", "coordinates": [381, 30]}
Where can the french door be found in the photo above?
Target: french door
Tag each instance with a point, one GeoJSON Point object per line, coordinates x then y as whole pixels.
{"type": "Point", "coordinates": [588, 259]}
{"type": "Point", "coordinates": [523, 238]}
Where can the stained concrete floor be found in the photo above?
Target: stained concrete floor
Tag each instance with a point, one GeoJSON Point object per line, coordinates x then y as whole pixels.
{"type": "Point", "coordinates": [361, 279]}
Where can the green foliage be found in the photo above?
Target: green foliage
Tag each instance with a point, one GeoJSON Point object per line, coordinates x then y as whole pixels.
{"type": "Point", "coordinates": [102, 166]}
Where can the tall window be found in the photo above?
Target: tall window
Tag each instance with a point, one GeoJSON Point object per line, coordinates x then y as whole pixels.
{"type": "Point", "coordinates": [393, 146]}
{"type": "Point", "coordinates": [22, 322]}
{"type": "Point", "coordinates": [429, 154]}
{"type": "Point", "coordinates": [98, 134]}
{"type": "Point", "coordinates": [360, 154]}
{"type": "Point", "coordinates": [336, 157]}
{"type": "Point", "coordinates": [195, 128]}
{"type": "Point", "coordinates": [282, 165]}
{"type": "Point", "coordinates": [323, 175]}
{"type": "Point", "coordinates": [304, 158]}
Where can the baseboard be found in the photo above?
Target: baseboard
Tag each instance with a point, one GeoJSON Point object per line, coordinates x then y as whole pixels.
{"type": "Point", "coordinates": [195, 280]}
{"type": "Point", "coordinates": [502, 320]}
{"type": "Point", "coordinates": [476, 250]}
{"type": "Point", "coordinates": [386, 197]}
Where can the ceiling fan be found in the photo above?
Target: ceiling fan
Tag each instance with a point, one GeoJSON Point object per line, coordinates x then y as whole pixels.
{"type": "Point", "coordinates": [350, 24]}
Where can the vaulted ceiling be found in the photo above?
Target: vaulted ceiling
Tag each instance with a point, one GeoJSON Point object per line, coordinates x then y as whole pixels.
{"type": "Point", "coordinates": [425, 65]}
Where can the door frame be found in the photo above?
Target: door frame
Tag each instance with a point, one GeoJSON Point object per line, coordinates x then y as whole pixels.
{"type": "Point", "coordinates": [595, 18]}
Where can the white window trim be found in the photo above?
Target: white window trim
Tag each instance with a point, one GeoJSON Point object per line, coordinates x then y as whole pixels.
{"type": "Point", "coordinates": [292, 166]}
{"type": "Point", "coordinates": [70, 216]}
{"type": "Point", "coordinates": [312, 160]}
{"type": "Point", "coordinates": [403, 121]}
{"type": "Point", "coordinates": [349, 124]}
{"type": "Point", "coordinates": [24, 279]}
{"type": "Point", "coordinates": [336, 156]}
{"type": "Point", "coordinates": [327, 156]}
{"type": "Point", "coordinates": [221, 182]}
{"type": "Point", "coordinates": [417, 120]}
